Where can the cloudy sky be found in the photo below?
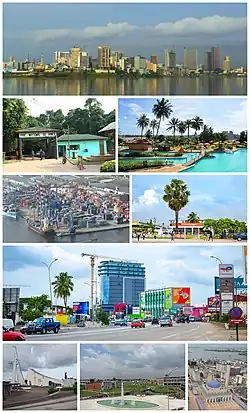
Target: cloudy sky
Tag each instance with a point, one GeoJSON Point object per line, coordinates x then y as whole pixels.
{"type": "Point", "coordinates": [166, 266]}
{"type": "Point", "coordinates": [153, 26]}
{"type": "Point", "coordinates": [222, 114]}
{"type": "Point", "coordinates": [131, 361]}
{"type": "Point", "coordinates": [211, 197]}
{"type": "Point", "coordinates": [52, 360]}
{"type": "Point", "coordinates": [39, 105]}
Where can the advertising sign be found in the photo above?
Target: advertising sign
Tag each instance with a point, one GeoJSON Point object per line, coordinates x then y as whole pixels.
{"type": "Point", "coordinates": [213, 303]}
{"type": "Point", "coordinates": [81, 307]}
{"type": "Point", "coordinates": [181, 295]}
{"type": "Point", "coordinates": [227, 296]}
{"type": "Point", "coordinates": [226, 285]}
{"type": "Point", "coordinates": [142, 304]}
{"type": "Point", "coordinates": [226, 271]}
{"type": "Point", "coordinates": [136, 310]}
{"type": "Point", "coordinates": [168, 299]}
{"type": "Point", "coordinates": [226, 306]}
{"type": "Point", "coordinates": [216, 285]}
{"type": "Point", "coordinates": [238, 284]}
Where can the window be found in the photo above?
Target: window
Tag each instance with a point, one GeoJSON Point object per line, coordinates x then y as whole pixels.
{"type": "Point", "coordinates": [74, 147]}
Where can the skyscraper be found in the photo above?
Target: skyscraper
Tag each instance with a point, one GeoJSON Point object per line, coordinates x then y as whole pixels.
{"type": "Point", "coordinates": [103, 57]}
{"type": "Point", "coordinates": [172, 59]}
{"type": "Point", "coordinates": [166, 58]}
{"type": "Point", "coordinates": [226, 63]}
{"type": "Point", "coordinates": [121, 282]}
{"type": "Point", "coordinates": [208, 61]}
{"type": "Point", "coordinates": [190, 58]}
{"type": "Point", "coordinates": [215, 51]}
{"type": "Point", "coordinates": [154, 59]}
{"type": "Point", "coordinates": [75, 57]}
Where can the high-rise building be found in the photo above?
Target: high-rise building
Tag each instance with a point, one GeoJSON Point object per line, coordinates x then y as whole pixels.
{"type": "Point", "coordinates": [226, 63]}
{"type": "Point", "coordinates": [208, 61]}
{"type": "Point", "coordinates": [172, 59]}
{"type": "Point", "coordinates": [75, 57]}
{"type": "Point", "coordinates": [139, 62]}
{"type": "Point", "coordinates": [215, 52]}
{"type": "Point", "coordinates": [166, 58]}
{"type": "Point", "coordinates": [115, 58]}
{"type": "Point", "coordinates": [190, 58]}
{"type": "Point", "coordinates": [103, 57]}
{"type": "Point", "coordinates": [121, 282]}
{"type": "Point", "coordinates": [154, 59]}
{"type": "Point", "coordinates": [84, 60]}
{"type": "Point", "coordinates": [62, 58]}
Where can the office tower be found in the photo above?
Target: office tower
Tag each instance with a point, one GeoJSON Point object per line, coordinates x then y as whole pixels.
{"type": "Point", "coordinates": [121, 282]}
{"type": "Point", "coordinates": [172, 59]}
{"type": "Point", "coordinates": [139, 62]}
{"type": "Point", "coordinates": [166, 58]}
{"type": "Point", "coordinates": [208, 61]}
{"type": "Point", "coordinates": [115, 58]}
{"type": "Point", "coordinates": [190, 58]}
{"type": "Point", "coordinates": [154, 59]}
{"type": "Point", "coordinates": [62, 58]}
{"type": "Point", "coordinates": [84, 60]}
{"type": "Point", "coordinates": [215, 51]}
{"type": "Point", "coordinates": [226, 63]}
{"type": "Point", "coordinates": [75, 57]}
{"type": "Point", "coordinates": [103, 57]}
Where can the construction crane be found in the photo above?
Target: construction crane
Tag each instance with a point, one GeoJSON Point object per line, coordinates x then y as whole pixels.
{"type": "Point", "coordinates": [93, 257]}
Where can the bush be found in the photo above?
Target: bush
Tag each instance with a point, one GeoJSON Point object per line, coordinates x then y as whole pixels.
{"type": "Point", "coordinates": [128, 166]}
{"type": "Point", "coordinates": [108, 166]}
{"type": "Point", "coordinates": [52, 390]}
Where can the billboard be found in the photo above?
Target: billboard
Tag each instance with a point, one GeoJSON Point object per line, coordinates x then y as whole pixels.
{"type": "Point", "coordinates": [216, 285]}
{"type": "Point", "coordinates": [168, 299]}
{"type": "Point", "coordinates": [213, 303]}
{"type": "Point", "coordinates": [81, 307]}
{"type": "Point", "coordinates": [142, 301]}
{"type": "Point", "coordinates": [181, 295]}
{"type": "Point", "coordinates": [226, 271]}
{"type": "Point", "coordinates": [226, 306]}
{"type": "Point", "coordinates": [239, 285]}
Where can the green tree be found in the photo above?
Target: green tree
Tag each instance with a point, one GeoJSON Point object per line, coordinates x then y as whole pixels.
{"type": "Point", "coordinates": [153, 126]}
{"type": "Point", "coordinates": [197, 124]}
{"type": "Point", "coordinates": [63, 287]}
{"type": "Point", "coordinates": [162, 109]}
{"type": "Point", "coordinates": [182, 128]}
{"type": "Point", "coordinates": [173, 125]}
{"type": "Point", "coordinates": [243, 137]}
{"type": "Point", "coordinates": [148, 134]}
{"type": "Point", "coordinates": [101, 316]}
{"type": "Point", "coordinates": [14, 117]}
{"type": "Point", "coordinates": [193, 217]}
{"type": "Point", "coordinates": [142, 123]}
{"type": "Point", "coordinates": [189, 123]}
{"type": "Point", "coordinates": [176, 196]}
{"type": "Point", "coordinates": [33, 307]}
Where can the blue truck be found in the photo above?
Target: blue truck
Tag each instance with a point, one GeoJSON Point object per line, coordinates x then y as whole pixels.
{"type": "Point", "coordinates": [41, 325]}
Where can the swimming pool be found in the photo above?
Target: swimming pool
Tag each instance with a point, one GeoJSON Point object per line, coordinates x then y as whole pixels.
{"type": "Point", "coordinates": [174, 159]}
{"type": "Point", "coordinates": [223, 162]}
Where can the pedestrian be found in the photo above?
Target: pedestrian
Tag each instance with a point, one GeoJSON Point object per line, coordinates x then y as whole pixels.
{"type": "Point", "coordinates": [154, 236]}
{"type": "Point", "coordinates": [32, 154]}
{"type": "Point", "coordinates": [17, 155]}
{"type": "Point", "coordinates": [172, 236]}
{"type": "Point", "coordinates": [143, 237]}
{"type": "Point", "coordinates": [138, 237]}
{"type": "Point", "coordinates": [210, 235]}
{"type": "Point", "coordinates": [41, 154]}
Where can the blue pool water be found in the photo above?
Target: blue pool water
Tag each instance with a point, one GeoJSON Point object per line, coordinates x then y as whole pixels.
{"type": "Point", "coordinates": [175, 160]}
{"type": "Point", "coordinates": [223, 162]}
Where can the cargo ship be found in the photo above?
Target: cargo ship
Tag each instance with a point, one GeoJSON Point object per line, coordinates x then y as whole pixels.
{"type": "Point", "coordinates": [44, 231]}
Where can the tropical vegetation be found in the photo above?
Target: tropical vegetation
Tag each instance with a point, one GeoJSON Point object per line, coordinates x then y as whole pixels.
{"type": "Point", "coordinates": [176, 197]}
{"type": "Point", "coordinates": [63, 287]}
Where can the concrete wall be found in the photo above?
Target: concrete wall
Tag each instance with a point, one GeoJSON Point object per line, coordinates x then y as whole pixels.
{"type": "Point", "coordinates": [86, 148]}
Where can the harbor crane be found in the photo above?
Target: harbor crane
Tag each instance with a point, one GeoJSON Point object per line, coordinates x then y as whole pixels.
{"type": "Point", "coordinates": [93, 258]}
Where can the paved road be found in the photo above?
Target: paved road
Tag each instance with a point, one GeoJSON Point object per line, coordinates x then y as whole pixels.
{"type": "Point", "coordinates": [66, 403]}
{"type": "Point", "coordinates": [192, 331]}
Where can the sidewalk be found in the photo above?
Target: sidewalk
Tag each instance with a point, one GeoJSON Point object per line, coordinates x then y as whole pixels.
{"type": "Point", "coordinates": [46, 165]}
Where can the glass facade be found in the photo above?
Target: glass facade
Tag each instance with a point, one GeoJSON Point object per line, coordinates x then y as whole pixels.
{"type": "Point", "coordinates": [121, 282]}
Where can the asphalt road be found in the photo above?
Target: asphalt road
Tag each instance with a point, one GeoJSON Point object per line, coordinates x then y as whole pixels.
{"type": "Point", "coordinates": [191, 331]}
{"type": "Point", "coordinates": [65, 403]}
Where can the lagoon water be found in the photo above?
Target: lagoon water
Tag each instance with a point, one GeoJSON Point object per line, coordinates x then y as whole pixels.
{"type": "Point", "coordinates": [21, 86]}
{"type": "Point", "coordinates": [223, 162]}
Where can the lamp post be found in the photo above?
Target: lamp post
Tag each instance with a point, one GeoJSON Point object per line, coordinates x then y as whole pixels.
{"type": "Point", "coordinates": [168, 375]}
{"type": "Point", "coordinates": [50, 286]}
{"type": "Point", "coordinates": [216, 258]}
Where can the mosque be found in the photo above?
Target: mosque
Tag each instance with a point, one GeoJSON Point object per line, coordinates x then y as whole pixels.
{"type": "Point", "coordinates": [212, 392]}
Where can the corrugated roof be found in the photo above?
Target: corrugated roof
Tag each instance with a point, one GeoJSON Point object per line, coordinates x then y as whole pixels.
{"type": "Point", "coordinates": [110, 127]}
{"type": "Point", "coordinates": [37, 129]}
{"type": "Point", "coordinates": [81, 137]}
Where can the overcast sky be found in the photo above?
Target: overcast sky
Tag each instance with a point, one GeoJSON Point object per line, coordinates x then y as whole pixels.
{"type": "Point", "coordinates": [52, 360]}
{"type": "Point", "coordinates": [133, 28]}
{"type": "Point", "coordinates": [211, 197]}
{"type": "Point", "coordinates": [39, 105]}
{"type": "Point", "coordinates": [166, 266]}
{"type": "Point", "coordinates": [131, 361]}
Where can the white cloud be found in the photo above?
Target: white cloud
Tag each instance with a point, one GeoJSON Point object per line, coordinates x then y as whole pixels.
{"type": "Point", "coordinates": [149, 198]}
{"type": "Point", "coordinates": [135, 109]}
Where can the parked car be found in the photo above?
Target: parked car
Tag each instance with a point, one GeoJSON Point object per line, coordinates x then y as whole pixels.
{"type": "Point", "coordinates": [241, 236]}
{"type": "Point", "coordinates": [137, 324]}
{"type": "Point", "coordinates": [8, 324]}
{"type": "Point", "coordinates": [198, 318]}
{"type": "Point", "coordinates": [81, 324]}
{"type": "Point", "coordinates": [165, 321]}
{"type": "Point", "coordinates": [191, 319]}
{"type": "Point", "coordinates": [123, 323]}
{"type": "Point", "coordinates": [12, 335]}
{"type": "Point", "coordinates": [41, 325]}
{"type": "Point", "coordinates": [155, 321]}
{"type": "Point", "coordinates": [180, 319]}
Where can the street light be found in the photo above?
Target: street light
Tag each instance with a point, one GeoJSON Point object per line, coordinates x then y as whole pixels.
{"type": "Point", "coordinates": [50, 286]}
{"type": "Point", "coordinates": [171, 371]}
{"type": "Point", "coordinates": [216, 258]}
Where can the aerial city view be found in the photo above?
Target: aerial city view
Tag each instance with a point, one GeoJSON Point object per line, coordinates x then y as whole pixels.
{"type": "Point", "coordinates": [109, 52]}
{"type": "Point", "coordinates": [182, 135]}
{"type": "Point", "coordinates": [191, 209]}
{"type": "Point", "coordinates": [152, 377]}
{"type": "Point", "coordinates": [58, 134]}
{"type": "Point", "coordinates": [39, 377]}
{"type": "Point", "coordinates": [66, 208]}
{"type": "Point", "coordinates": [141, 293]}
{"type": "Point", "coordinates": [217, 376]}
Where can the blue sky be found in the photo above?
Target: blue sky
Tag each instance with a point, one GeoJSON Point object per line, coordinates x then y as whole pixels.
{"type": "Point", "coordinates": [131, 361]}
{"type": "Point", "coordinates": [44, 28]}
{"type": "Point", "coordinates": [166, 266]}
{"type": "Point", "coordinates": [211, 197]}
{"type": "Point", "coordinates": [223, 114]}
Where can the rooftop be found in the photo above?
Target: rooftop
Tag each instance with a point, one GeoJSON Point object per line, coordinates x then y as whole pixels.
{"type": "Point", "coordinates": [81, 137]}
{"type": "Point", "coordinates": [37, 129]}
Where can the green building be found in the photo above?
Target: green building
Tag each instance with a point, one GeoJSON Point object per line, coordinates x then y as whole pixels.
{"type": "Point", "coordinates": [82, 145]}
{"type": "Point", "coordinates": [156, 302]}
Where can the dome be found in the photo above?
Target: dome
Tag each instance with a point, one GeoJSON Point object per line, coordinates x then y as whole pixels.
{"type": "Point", "coordinates": [213, 384]}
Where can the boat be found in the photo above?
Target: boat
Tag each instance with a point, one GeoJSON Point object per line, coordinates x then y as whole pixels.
{"type": "Point", "coordinates": [36, 227]}
{"type": "Point", "coordinates": [11, 213]}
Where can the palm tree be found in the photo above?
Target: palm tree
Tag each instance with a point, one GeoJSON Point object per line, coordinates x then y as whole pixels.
{"type": "Point", "coordinates": [148, 134]}
{"type": "Point", "coordinates": [63, 287]}
{"type": "Point", "coordinates": [153, 125]}
{"type": "Point", "coordinates": [173, 125]}
{"type": "Point", "coordinates": [197, 124]}
{"type": "Point", "coordinates": [176, 196]}
{"type": "Point", "coordinates": [182, 128]}
{"type": "Point", "coordinates": [193, 217]}
{"type": "Point", "coordinates": [162, 109]}
{"type": "Point", "coordinates": [142, 122]}
{"type": "Point", "coordinates": [189, 123]}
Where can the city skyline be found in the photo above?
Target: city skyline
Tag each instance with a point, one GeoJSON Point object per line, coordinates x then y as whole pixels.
{"type": "Point", "coordinates": [222, 114]}
{"type": "Point", "coordinates": [125, 361]}
{"type": "Point", "coordinates": [116, 25]}
{"type": "Point", "coordinates": [175, 267]}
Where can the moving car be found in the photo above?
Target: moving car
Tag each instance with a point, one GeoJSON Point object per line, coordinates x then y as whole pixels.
{"type": "Point", "coordinates": [8, 324]}
{"type": "Point", "coordinates": [165, 321]}
{"type": "Point", "coordinates": [155, 321]}
{"type": "Point", "coordinates": [123, 323]}
{"type": "Point", "coordinates": [138, 323]}
{"type": "Point", "coordinates": [41, 325]}
{"type": "Point", "coordinates": [241, 236]}
{"type": "Point", "coordinates": [180, 319]}
{"type": "Point", "coordinates": [81, 324]}
{"type": "Point", "coordinates": [12, 335]}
